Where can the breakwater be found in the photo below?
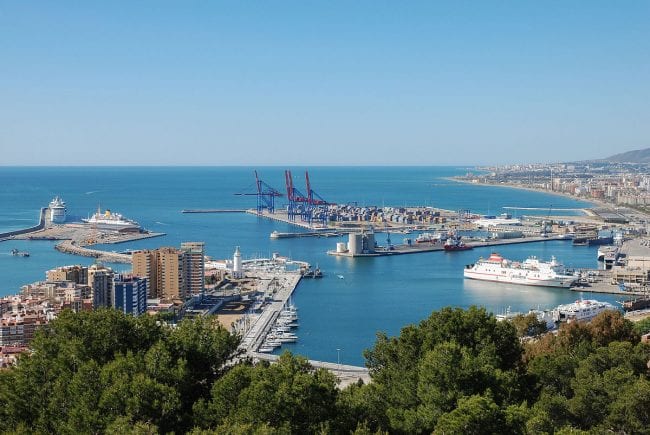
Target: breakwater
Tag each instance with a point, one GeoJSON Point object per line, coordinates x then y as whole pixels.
{"type": "Point", "coordinates": [40, 226]}
{"type": "Point", "coordinates": [70, 247]}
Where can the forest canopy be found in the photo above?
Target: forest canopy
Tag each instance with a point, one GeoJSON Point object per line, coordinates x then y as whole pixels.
{"type": "Point", "coordinates": [458, 371]}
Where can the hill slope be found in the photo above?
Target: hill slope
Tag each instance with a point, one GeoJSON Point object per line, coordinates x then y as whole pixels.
{"type": "Point", "coordinates": [636, 156]}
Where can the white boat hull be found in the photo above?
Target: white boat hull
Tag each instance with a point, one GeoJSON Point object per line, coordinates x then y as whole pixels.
{"type": "Point", "coordinates": [564, 282]}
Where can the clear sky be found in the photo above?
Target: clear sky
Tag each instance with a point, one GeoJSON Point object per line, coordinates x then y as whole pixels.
{"type": "Point", "coordinates": [330, 82]}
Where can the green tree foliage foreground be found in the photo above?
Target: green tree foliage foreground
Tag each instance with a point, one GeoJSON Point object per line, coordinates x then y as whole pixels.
{"type": "Point", "coordinates": [459, 371]}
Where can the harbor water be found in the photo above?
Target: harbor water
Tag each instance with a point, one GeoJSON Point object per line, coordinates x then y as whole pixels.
{"type": "Point", "coordinates": [339, 314]}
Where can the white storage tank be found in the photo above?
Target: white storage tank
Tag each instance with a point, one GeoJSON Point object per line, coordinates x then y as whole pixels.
{"type": "Point", "coordinates": [355, 243]}
{"type": "Point", "coordinates": [369, 242]}
{"type": "Point", "coordinates": [341, 247]}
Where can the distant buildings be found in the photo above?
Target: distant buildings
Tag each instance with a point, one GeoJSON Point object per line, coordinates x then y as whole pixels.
{"type": "Point", "coordinates": [76, 274]}
{"type": "Point", "coordinates": [17, 330]}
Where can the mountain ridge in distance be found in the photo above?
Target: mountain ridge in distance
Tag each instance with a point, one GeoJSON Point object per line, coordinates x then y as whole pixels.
{"type": "Point", "coordinates": [634, 156]}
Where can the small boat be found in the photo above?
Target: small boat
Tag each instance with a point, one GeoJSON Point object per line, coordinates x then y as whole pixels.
{"type": "Point", "coordinates": [265, 349]}
{"type": "Point", "coordinates": [340, 276]}
{"type": "Point", "coordinates": [17, 253]}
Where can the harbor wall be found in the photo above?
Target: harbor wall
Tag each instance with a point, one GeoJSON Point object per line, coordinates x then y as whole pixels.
{"type": "Point", "coordinates": [40, 226]}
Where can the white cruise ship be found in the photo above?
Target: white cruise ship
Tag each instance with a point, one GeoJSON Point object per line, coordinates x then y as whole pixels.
{"type": "Point", "coordinates": [57, 210]}
{"type": "Point", "coordinates": [580, 310]}
{"type": "Point", "coordinates": [530, 272]}
{"type": "Point", "coordinates": [112, 222]}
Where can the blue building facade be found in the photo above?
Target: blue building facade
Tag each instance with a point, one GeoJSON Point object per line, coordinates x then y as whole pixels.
{"type": "Point", "coordinates": [129, 294]}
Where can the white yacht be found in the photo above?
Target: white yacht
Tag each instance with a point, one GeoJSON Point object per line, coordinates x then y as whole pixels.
{"type": "Point", "coordinates": [580, 310]}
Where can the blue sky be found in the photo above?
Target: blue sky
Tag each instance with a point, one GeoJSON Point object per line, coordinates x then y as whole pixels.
{"type": "Point", "coordinates": [331, 82]}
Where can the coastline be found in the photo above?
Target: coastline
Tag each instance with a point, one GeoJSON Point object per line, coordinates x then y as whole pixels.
{"type": "Point", "coordinates": [593, 201]}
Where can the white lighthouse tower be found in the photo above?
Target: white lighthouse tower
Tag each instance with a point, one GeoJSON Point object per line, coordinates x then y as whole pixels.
{"type": "Point", "coordinates": [237, 271]}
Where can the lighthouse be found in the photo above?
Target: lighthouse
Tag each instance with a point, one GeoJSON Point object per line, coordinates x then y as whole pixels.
{"type": "Point", "coordinates": [237, 271]}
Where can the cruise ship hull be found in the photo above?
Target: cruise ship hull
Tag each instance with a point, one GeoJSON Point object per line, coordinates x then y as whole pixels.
{"type": "Point", "coordinates": [520, 280]}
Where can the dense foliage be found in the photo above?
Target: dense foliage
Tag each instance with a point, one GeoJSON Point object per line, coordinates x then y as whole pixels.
{"type": "Point", "coordinates": [459, 371]}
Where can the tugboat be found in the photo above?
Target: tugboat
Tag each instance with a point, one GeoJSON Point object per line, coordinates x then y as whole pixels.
{"type": "Point", "coordinates": [454, 243]}
{"type": "Point", "coordinates": [309, 273]}
{"type": "Point", "coordinates": [17, 253]}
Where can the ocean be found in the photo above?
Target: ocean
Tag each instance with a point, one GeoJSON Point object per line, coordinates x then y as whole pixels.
{"type": "Point", "coordinates": [375, 294]}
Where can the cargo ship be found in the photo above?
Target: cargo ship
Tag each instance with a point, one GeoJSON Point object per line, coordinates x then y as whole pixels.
{"type": "Point", "coordinates": [532, 271]}
{"type": "Point", "coordinates": [593, 240]}
{"type": "Point", "coordinates": [454, 243]}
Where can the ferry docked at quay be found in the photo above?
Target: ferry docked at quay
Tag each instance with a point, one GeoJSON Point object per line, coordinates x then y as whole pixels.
{"type": "Point", "coordinates": [532, 271]}
{"type": "Point", "coordinates": [112, 222]}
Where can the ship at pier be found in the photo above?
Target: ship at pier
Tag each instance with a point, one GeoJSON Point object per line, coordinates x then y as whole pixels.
{"type": "Point", "coordinates": [57, 210]}
{"type": "Point", "coordinates": [110, 221]}
{"type": "Point", "coordinates": [532, 271]}
{"type": "Point", "coordinates": [454, 243]}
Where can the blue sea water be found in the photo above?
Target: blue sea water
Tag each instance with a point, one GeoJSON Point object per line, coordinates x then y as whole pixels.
{"type": "Point", "coordinates": [375, 294]}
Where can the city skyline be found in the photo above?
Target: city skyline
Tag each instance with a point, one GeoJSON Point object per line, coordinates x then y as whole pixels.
{"type": "Point", "coordinates": [322, 84]}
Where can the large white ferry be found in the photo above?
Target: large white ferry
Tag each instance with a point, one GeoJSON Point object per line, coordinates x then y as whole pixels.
{"type": "Point", "coordinates": [530, 272]}
{"type": "Point", "coordinates": [580, 310]}
{"type": "Point", "coordinates": [112, 222]}
{"type": "Point", "coordinates": [57, 210]}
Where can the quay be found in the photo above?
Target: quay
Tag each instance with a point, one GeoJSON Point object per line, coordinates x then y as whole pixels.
{"type": "Point", "coordinates": [432, 247]}
{"type": "Point", "coordinates": [346, 374]}
{"type": "Point", "coordinates": [213, 210]}
{"type": "Point", "coordinates": [277, 235]}
{"type": "Point", "coordinates": [76, 237]}
{"type": "Point", "coordinates": [279, 287]}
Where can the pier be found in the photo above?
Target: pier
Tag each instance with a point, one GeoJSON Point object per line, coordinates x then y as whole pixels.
{"type": "Point", "coordinates": [433, 247]}
{"type": "Point", "coordinates": [41, 224]}
{"type": "Point", "coordinates": [279, 286]}
{"type": "Point", "coordinates": [213, 210]}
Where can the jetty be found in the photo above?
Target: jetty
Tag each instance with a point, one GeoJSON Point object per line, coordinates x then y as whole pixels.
{"type": "Point", "coordinates": [69, 247]}
{"type": "Point", "coordinates": [213, 210]}
{"type": "Point", "coordinates": [279, 287]}
{"type": "Point", "coordinates": [42, 221]}
{"type": "Point", "coordinates": [419, 248]}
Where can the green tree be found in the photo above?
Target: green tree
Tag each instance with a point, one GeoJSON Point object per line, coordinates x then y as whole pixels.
{"type": "Point", "coordinates": [453, 354]}
{"type": "Point", "coordinates": [474, 415]}
{"type": "Point", "coordinates": [528, 325]}
{"type": "Point", "coordinates": [289, 392]}
{"type": "Point", "coordinates": [630, 413]}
